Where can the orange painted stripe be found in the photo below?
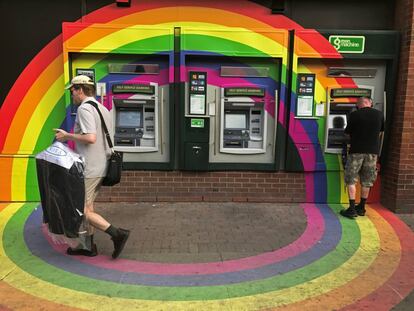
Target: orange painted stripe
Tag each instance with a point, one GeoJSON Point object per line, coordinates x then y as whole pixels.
{"type": "Point", "coordinates": [15, 299]}
{"type": "Point", "coordinates": [6, 165]}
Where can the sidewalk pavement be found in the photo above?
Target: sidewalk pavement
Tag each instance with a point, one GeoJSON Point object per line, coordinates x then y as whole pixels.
{"type": "Point", "coordinates": [214, 256]}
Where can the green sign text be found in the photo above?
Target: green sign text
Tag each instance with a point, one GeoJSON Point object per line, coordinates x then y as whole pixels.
{"type": "Point", "coordinates": [348, 44]}
{"type": "Point", "coordinates": [133, 88]}
{"type": "Point", "coordinates": [197, 123]}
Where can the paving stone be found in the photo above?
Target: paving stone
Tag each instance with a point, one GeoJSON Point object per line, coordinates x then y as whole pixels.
{"type": "Point", "coordinates": [200, 232]}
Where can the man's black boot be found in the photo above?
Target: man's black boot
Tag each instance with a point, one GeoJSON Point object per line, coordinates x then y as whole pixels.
{"type": "Point", "coordinates": [349, 213]}
{"type": "Point", "coordinates": [119, 241]}
{"type": "Point", "coordinates": [360, 208]}
{"type": "Point", "coordinates": [82, 252]}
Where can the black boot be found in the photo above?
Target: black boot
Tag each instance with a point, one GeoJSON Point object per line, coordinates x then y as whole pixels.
{"type": "Point", "coordinates": [360, 208]}
{"type": "Point", "coordinates": [82, 252]}
{"type": "Point", "coordinates": [349, 213]}
{"type": "Point", "coordinates": [119, 241]}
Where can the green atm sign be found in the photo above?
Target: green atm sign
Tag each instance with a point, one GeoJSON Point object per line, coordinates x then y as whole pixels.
{"type": "Point", "coordinates": [197, 123]}
{"type": "Point", "coordinates": [348, 44]}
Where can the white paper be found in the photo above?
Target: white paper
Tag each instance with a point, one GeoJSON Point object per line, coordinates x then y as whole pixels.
{"type": "Point", "coordinates": [101, 89]}
{"type": "Point", "coordinates": [197, 104]}
{"type": "Point", "coordinates": [320, 110]}
{"type": "Point", "coordinates": [305, 105]}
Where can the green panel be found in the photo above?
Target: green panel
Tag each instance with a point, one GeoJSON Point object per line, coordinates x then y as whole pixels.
{"type": "Point", "coordinates": [348, 44]}
{"type": "Point", "coordinates": [378, 43]}
{"type": "Point", "coordinates": [196, 156]}
{"type": "Point", "coordinates": [196, 134]}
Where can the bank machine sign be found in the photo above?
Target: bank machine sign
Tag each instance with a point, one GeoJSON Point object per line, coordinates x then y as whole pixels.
{"type": "Point", "coordinates": [348, 44]}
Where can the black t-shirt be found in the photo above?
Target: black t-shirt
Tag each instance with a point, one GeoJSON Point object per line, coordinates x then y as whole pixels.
{"type": "Point", "coordinates": [364, 127]}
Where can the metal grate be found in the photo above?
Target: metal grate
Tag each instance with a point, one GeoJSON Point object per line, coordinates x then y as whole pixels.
{"type": "Point", "coordinates": [141, 69]}
{"type": "Point", "coordinates": [229, 71]}
{"type": "Point", "coordinates": [351, 72]}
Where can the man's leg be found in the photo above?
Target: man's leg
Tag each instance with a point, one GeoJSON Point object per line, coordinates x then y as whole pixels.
{"type": "Point", "coordinates": [360, 208]}
{"type": "Point", "coordinates": [94, 219]}
{"type": "Point", "coordinates": [350, 212]}
{"type": "Point", "coordinates": [119, 236]}
{"type": "Point", "coordinates": [352, 168]}
{"type": "Point", "coordinates": [368, 177]}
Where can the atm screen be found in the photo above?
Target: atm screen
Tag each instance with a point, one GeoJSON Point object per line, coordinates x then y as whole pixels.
{"type": "Point", "coordinates": [235, 121]}
{"type": "Point", "coordinates": [129, 118]}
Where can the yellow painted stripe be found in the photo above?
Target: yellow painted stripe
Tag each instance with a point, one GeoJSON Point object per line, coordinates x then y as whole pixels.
{"type": "Point", "coordinates": [18, 179]}
{"type": "Point", "coordinates": [359, 262]}
{"type": "Point", "coordinates": [41, 113]}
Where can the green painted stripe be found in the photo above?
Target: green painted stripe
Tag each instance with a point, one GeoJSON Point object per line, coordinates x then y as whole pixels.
{"type": "Point", "coordinates": [46, 137]}
{"type": "Point", "coordinates": [17, 251]}
{"type": "Point", "coordinates": [334, 187]}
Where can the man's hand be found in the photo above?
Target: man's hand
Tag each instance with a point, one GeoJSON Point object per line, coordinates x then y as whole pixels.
{"type": "Point", "coordinates": [61, 135]}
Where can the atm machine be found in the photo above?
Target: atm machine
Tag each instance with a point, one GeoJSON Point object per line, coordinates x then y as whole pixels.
{"type": "Point", "coordinates": [341, 102]}
{"type": "Point", "coordinates": [136, 117]}
{"type": "Point", "coordinates": [231, 122]}
{"type": "Point", "coordinates": [244, 120]}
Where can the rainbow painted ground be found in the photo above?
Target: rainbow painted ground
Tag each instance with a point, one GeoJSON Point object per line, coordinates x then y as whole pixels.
{"type": "Point", "coordinates": [336, 263]}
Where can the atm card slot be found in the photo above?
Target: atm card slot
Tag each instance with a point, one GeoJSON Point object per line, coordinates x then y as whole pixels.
{"type": "Point", "coordinates": [124, 142]}
{"type": "Point", "coordinates": [233, 144]}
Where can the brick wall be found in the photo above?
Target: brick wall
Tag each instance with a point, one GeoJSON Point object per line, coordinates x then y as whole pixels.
{"type": "Point", "coordinates": [152, 186]}
{"type": "Point", "coordinates": [398, 175]}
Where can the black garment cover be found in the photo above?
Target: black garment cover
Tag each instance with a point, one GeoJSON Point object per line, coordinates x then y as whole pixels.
{"type": "Point", "coordinates": [62, 193]}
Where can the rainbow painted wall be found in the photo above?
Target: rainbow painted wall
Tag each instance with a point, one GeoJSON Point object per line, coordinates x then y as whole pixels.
{"type": "Point", "coordinates": [37, 102]}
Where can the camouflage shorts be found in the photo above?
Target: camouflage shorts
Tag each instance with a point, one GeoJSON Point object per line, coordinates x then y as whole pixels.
{"type": "Point", "coordinates": [362, 165]}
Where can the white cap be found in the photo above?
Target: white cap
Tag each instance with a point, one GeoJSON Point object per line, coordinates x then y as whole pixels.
{"type": "Point", "coordinates": [81, 79]}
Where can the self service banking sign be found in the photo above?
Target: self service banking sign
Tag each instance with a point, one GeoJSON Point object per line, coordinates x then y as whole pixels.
{"type": "Point", "coordinates": [348, 44]}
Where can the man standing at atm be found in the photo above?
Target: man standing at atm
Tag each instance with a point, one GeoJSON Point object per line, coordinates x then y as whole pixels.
{"type": "Point", "coordinates": [90, 142]}
{"type": "Point", "coordinates": [364, 126]}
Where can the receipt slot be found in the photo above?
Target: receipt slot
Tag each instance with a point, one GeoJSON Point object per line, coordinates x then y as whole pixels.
{"type": "Point", "coordinates": [341, 102]}
{"type": "Point", "coordinates": [243, 121]}
{"type": "Point", "coordinates": [136, 117]}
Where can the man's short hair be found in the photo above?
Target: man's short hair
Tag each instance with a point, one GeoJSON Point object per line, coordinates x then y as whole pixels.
{"type": "Point", "coordinates": [367, 98]}
{"type": "Point", "coordinates": [88, 90]}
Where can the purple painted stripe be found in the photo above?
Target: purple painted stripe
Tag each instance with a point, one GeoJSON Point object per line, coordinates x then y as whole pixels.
{"type": "Point", "coordinates": [312, 234]}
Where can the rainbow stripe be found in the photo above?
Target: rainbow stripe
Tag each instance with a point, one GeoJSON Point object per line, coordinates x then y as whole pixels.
{"type": "Point", "coordinates": [336, 263]}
